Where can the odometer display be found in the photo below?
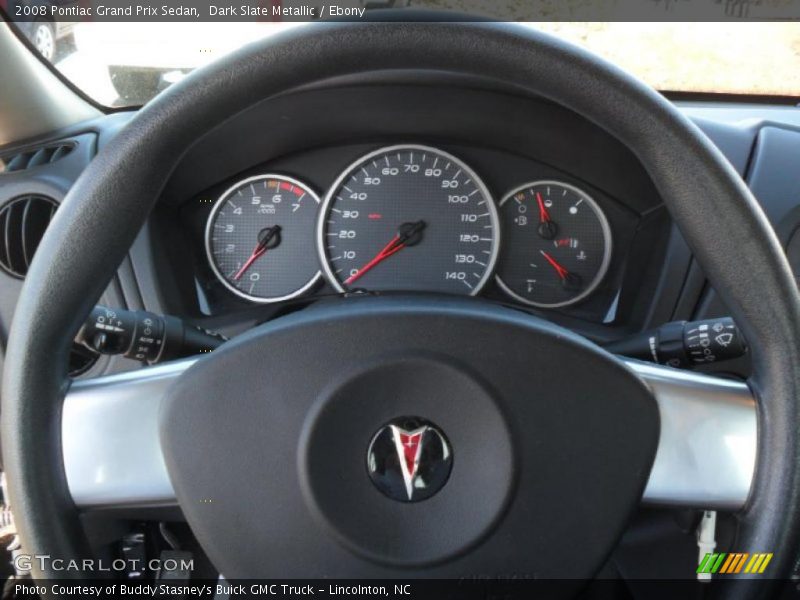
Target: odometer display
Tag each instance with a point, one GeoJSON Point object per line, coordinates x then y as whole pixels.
{"type": "Point", "coordinates": [557, 244]}
{"type": "Point", "coordinates": [260, 238]}
{"type": "Point", "coordinates": [409, 218]}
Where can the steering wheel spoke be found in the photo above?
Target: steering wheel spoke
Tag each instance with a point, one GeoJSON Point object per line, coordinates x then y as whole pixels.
{"type": "Point", "coordinates": [707, 446]}
{"type": "Point", "coordinates": [705, 458]}
{"type": "Point", "coordinates": [109, 429]}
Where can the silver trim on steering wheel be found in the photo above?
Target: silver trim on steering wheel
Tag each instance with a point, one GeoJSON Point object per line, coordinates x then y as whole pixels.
{"type": "Point", "coordinates": [705, 459]}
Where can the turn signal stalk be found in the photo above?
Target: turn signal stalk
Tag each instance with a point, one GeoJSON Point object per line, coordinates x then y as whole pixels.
{"type": "Point", "coordinates": [144, 336]}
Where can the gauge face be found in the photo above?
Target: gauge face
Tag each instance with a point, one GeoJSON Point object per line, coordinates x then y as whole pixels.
{"type": "Point", "coordinates": [260, 238]}
{"type": "Point", "coordinates": [409, 218]}
{"type": "Point", "coordinates": [557, 244]}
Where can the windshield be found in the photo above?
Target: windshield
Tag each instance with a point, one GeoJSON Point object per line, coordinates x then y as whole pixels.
{"type": "Point", "coordinates": [126, 64]}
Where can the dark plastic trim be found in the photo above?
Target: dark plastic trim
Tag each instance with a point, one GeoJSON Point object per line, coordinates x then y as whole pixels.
{"type": "Point", "coordinates": [728, 98]}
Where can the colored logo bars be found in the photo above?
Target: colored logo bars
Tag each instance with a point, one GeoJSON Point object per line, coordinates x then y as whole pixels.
{"type": "Point", "coordinates": [732, 563]}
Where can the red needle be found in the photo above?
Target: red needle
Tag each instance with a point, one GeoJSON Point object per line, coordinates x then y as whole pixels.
{"type": "Point", "coordinates": [544, 216]}
{"type": "Point", "coordinates": [562, 272]}
{"type": "Point", "coordinates": [257, 253]}
{"type": "Point", "coordinates": [391, 248]}
{"type": "Point", "coordinates": [267, 238]}
{"type": "Point", "coordinates": [408, 236]}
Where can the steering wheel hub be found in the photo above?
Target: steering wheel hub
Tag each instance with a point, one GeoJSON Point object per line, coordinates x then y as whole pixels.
{"type": "Point", "coordinates": [409, 459]}
{"type": "Point", "coordinates": [515, 458]}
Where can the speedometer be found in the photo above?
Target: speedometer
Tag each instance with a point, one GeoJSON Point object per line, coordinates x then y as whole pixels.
{"type": "Point", "coordinates": [409, 218]}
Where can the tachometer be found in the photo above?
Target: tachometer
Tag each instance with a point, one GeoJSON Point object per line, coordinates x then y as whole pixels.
{"type": "Point", "coordinates": [260, 238]}
{"type": "Point", "coordinates": [557, 244]}
{"type": "Point", "coordinates": [409, 218]}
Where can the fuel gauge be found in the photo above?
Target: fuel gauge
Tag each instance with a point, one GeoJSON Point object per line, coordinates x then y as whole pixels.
{"type": "Point", "coordinates": [556, 244]}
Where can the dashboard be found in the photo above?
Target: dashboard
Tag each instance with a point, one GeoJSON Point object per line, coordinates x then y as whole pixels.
{"type": "Point", "coordinates": [395, 183]}
{"type": "Point", "coordinates": [554, 250]}
{"type": "Point", "coordinates": [409, 218]}
{"type": "Point", "coordinates": [400, 188]}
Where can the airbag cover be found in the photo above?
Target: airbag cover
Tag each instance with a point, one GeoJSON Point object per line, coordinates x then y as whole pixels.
{"type": "Point", "coordinates": [266, 444]}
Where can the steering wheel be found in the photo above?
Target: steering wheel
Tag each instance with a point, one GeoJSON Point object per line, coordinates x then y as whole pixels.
{"type": "Point", "coordinates": [264, 442]}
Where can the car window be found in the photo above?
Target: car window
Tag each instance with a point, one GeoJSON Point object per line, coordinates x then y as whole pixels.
{"type": "Point", "coordinates": [125, 64]}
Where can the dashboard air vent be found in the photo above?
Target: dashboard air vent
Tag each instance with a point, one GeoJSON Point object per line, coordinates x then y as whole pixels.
{"type": "Point", "coordinates": [23, 222]}
{"type": "Point", "coordinates": [34, 157]}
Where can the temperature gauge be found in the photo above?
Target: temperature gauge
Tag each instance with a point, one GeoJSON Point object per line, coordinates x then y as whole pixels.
{"type": "Point", "coordinates": [557, 244]}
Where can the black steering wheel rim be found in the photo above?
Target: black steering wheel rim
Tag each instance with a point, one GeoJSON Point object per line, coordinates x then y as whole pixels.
{"type": "Point", "coordinates": [111, 200]}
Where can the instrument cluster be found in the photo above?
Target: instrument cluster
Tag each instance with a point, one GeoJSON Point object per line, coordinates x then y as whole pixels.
{"type": "Point", "coordinates": [410, 218]}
